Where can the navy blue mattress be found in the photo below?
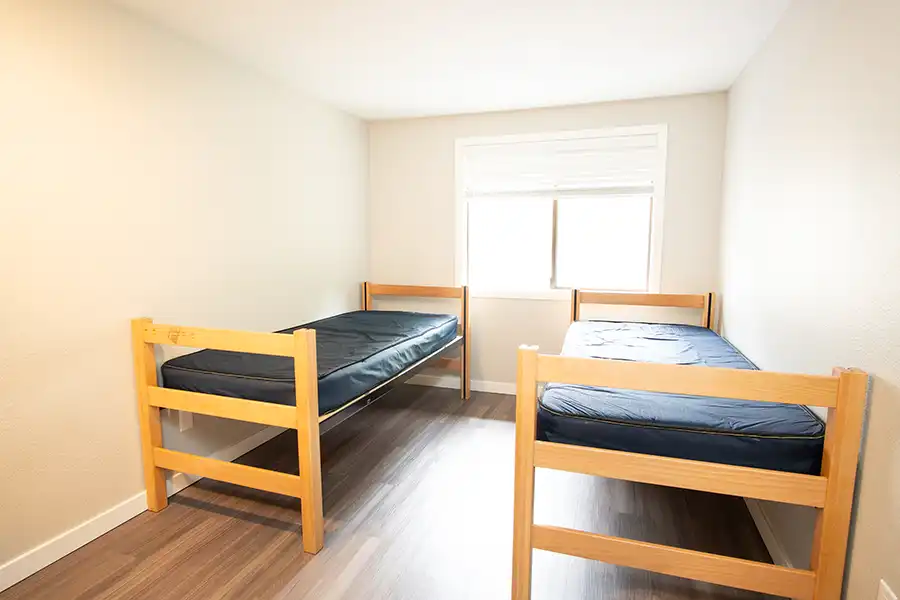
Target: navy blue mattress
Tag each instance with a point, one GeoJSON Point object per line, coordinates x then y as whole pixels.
{"type": "Point", "coordinates": [784, 437]}
{"type": "Point", "coordinates": [356, 352]}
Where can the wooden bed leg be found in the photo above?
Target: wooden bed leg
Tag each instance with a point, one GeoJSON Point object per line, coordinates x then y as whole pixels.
{"type": "Point", "coordinates": [839, 462]}
{"type": "Point", "coordinates": [526, 430]}
{"type": "Point", "coordinates": [151, 429]}
{"type": "Point", "coordinates": [576, 306]}
{"type": "Point", "coordinates": [704, 320]}
{"type": "Point", "coordinates": [307, 386]}
{"type": "Point", "coordinates": [366, 297]}
{"type": "Point", "coordinates": [465, 372]}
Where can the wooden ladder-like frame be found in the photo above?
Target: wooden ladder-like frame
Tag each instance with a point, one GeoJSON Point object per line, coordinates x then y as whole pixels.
{"type": "Point", "coordinates": [304, 417]}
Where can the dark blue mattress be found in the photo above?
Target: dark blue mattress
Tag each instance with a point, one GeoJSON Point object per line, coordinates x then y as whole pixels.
{"type": "Point", "coordinates": [356, 352]}
{"type": "Point", "coordinates": [784, 437]}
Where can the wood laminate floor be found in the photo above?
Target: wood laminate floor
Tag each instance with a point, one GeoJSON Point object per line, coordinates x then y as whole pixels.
{"type": "Point", "coordinates": [418, 505]}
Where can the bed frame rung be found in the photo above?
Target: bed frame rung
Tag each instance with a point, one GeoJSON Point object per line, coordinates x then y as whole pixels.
{"type": "Point", "coordinates": [415, 291]}
{"type": "Point", "coordinates": [274, 344]}
{"type": "Point", "coordinates": [746, 482]}
{"type": "Point", "coordinates": [253, 477]}
{"type": "Point", "coordinates": [711, 568]}
{"type": "Point", "coordinates": [739, 384]}
{"type": "Point", "coordinates": [639, 299]}
{"type": "Point", "coordinates": [252, 411]}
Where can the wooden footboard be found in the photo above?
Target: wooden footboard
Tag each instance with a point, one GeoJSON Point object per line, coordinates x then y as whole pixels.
{"type": "Point", "coordinates": [831, 493]}
{"type": "Point", "coordinates": [304, 417]}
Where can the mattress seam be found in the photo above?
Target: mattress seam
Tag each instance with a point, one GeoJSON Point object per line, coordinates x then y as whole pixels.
{"type": "Point", "coordinates": [680, 429]}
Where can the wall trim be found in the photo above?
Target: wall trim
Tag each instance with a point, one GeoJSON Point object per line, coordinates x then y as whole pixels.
{"type": "Point", "coordinates": [767, 533]}
{"type": "Point", "coordinates": [52, 550]}
{"type": "Point", "coordinates": [452, 382]}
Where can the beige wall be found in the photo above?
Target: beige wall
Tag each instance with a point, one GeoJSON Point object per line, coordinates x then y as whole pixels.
{"type": "Point", "coordinates": [810, 244]}
{"type": "Point", "coordinates": [412, 194]}
{"type": "Point", "coordinates": [142, 175]}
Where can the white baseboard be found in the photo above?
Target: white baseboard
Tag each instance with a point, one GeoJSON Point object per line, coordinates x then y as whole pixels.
{"type": "Point", "coordinates": [179, 481]}
{"type": "Point", "coordinates": [52, 550]}
{"type": "Point", "coordinates": [452, 381]}
{"type": "Point", "coordinates": [767, 533]}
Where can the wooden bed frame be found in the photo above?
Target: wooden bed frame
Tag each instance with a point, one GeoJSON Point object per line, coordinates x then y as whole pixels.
{"type": "Point", "coordinates": [843, 393]}
{"type": "Point", "coordinates": [304, 417]}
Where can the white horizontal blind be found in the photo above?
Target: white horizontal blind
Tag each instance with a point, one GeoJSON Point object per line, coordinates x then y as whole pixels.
{"type": "Point", "coordinates": [615, 163]}
{"type": "Point", "coordinates": [603, 187]}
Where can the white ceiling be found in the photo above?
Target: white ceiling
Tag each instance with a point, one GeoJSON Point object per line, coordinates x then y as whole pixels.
{"type": "Point", "coordinates": [405, 58]}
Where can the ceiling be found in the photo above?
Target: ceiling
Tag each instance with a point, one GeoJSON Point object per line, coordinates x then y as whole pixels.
{"type": "Point", "coordinates": [406, 58]}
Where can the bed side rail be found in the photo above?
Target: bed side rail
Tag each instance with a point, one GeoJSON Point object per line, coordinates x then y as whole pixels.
{"type": "Point", "coordinates": [705, 302]}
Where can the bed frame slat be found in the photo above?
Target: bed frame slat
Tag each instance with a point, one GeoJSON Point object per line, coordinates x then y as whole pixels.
{"type": "Point", "coordinates": [763, 484]}
{"type": "Point", "coordinates": [701, 566]}
{"type": "Point", "coordinates": [636, 299]}
{"type": "Point", "coordinates": [740, 384]}
{"type": "Point", "coordinates": [275, 344]}
{"type": "Point", "coordinates": [252, 411]}
{"type": "Point", "coordinates": [261, 479]}
{"type": "Point", "coordinates": [415, 291]}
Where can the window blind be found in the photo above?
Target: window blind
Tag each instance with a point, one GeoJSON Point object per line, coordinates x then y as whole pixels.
{"type": "Point", "coordinates": [624, 164]}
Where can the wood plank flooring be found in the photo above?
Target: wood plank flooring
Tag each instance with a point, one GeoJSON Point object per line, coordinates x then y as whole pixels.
{"type": "Point", "coordinates": [418, 505]}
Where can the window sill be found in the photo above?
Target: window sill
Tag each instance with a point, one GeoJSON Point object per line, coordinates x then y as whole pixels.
{"type": "Point", "coordinates": [557, 295]}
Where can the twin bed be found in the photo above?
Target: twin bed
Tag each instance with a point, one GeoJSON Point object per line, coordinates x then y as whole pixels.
{"type": "Point", "coordinates": [309, 378]}
{"type": "Point", "coordinates": [671, 405]}
{"type": "Point", "coordinates": [679, 406]}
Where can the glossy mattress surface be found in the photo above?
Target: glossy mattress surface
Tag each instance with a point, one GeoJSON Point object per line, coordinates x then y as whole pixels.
{"type": "Point", "coordinates": [784, 437]}
{"type": "Point", "coordinates": [356, 352]}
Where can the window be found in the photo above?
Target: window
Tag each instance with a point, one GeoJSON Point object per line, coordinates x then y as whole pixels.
{"type": "Point", "coordinates": [552, 212]}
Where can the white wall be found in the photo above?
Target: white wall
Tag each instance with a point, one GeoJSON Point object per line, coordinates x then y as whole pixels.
{"type": "Point", "coordinates": [810, 243]}
{"type": "Point", "coordinates": [412, 194]}
{"type": "Point", "coordinates": [141, 175]}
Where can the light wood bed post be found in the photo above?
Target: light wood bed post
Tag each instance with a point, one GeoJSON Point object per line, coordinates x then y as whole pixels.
{"type": "Point", "coordinates": [307, 389]}
{"type": "Point", "coordinates": [839, 461]}
{"type": "Point", "coordinates": [366, 296]}
{"type": "Point", "coordinates": [151, 429]}
{"type": "Point", "coordinates": [708, 310]}
{"type": "Point", "coordinates": [526, 429]}
{"type": "Point", "coordinates": [576, 306]}
{"type": "Point", "coordinates": [465, 372]}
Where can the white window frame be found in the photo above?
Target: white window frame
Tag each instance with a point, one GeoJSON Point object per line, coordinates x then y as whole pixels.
{"type": "Point", "coordinates": [657, 206]}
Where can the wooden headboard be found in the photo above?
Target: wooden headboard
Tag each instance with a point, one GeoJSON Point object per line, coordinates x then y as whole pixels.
{"type": "Point", "coordinates": [705, 302]}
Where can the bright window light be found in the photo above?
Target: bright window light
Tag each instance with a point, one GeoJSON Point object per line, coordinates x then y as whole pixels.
{"type": "Point", "coordinates": [561, 211]}
{"type": "Point", "coordinates": [603, 243]}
